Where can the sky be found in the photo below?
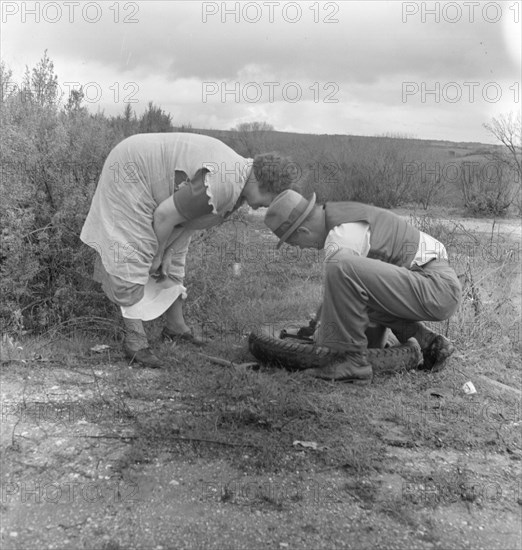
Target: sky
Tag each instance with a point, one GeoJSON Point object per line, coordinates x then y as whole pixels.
{"type": "Point", "coordinates": [429, 70]}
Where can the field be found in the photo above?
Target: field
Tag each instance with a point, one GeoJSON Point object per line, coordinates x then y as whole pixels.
{"type": "Point", "coordinates": [98, 454]}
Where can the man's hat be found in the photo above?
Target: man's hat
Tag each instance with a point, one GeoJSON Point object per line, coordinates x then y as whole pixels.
{"type": "Point", "coordinates": [287, 212]}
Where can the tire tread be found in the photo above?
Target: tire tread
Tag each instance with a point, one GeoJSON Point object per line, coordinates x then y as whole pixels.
{"type": "Point", "coordinates": [295, 355]}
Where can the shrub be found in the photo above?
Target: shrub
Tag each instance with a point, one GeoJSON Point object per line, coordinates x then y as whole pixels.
{"type": "Point", "coordinates": [488, 188]}
{"type": "Point", "coordinates": [369, 170]}
{"type": "Point", "coordinates": [50, 161]}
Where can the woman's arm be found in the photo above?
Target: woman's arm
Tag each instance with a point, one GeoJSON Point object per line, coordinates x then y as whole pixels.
{"type": "Point", "coordinates": [192, 200]}
{"type": "Point", "coordinates": [166, 217]}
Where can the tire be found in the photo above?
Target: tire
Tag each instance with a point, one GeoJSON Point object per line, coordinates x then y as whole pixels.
{"type": "Point", "coordinates": [293, 354]}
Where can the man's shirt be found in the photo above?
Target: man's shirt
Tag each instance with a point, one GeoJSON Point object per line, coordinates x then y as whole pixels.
{"type": "Point", "coordinates": [356, 237]}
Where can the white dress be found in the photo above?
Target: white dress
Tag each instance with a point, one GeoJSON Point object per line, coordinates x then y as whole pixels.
{"type": "Point", "coordinates": [137, 176]}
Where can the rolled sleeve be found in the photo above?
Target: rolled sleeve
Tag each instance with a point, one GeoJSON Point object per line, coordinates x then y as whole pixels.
{"type": "Point", "coordinates": [191, 200]}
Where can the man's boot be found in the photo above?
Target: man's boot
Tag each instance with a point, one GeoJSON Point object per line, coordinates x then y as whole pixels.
{"type": "Point", "coordinates": [355, 369]}
{"type": "Point", "coordinates": [435, 348]}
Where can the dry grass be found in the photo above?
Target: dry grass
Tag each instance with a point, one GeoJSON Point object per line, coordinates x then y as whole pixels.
{"type": "Point", "coordinates": [251, 418]}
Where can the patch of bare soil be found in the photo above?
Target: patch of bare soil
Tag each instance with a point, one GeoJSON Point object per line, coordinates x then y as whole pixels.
{"type": "Point", "coordinates": [76, 474]}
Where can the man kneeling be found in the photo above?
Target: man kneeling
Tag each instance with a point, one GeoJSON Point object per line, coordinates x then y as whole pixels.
{"type": "Point", "coordinates": [378, 268]}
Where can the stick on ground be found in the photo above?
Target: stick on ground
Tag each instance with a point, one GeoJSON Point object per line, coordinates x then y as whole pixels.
{"type": "Point", "coordinates": [227, 363]}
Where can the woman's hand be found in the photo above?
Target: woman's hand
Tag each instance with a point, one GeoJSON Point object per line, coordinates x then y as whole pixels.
{"type": "Point", "coordinates": [160, 264]}
{"type": "Point", "coordinates": [165, 263]}
{"type": "Point", "coordinates": [156, 264]}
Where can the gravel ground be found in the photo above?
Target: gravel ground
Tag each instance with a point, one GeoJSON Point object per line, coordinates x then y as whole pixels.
{"type": "Point", "coordinates": [61, 490]}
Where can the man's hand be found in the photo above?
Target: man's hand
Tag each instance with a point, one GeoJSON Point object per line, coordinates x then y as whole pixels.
{"type": "Point", "coordinates": [307, 332]}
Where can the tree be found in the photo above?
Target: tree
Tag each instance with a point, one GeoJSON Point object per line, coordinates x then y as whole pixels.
{"type": "Point", "coordinates": [6, 85]}
{"type": "Point", "coordinates": [507, 129]}
{"type": "Point", "coordinates": [74, 102]}
{"type": "Point", "coordinates": [41, 83]}
{"type": "Point", "coordinates": [128, 113]}
{"type": "Point", "coordinates": [154, 119]}
{"type": "Point", "coordinates": [254, 127]}
{"type": "Point", "coordinates": [251, 138]}
{"type": "Point", "coordinates": [125, 124]}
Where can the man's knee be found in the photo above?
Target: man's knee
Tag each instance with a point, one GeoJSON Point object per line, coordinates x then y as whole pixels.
{"type": "Point", "coordinates": [340, 265]}
{"type": "Point", "coordinates": [444, 309]}
{"type": "Point", "coordinates": [447, 301]}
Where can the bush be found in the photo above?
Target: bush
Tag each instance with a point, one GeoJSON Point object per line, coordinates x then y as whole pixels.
{"type": "Point", "coordinates": [50, 161]}
{"type": "Point", "coordinates": [488, 188]}
{"type": "Point", "coordinates": [427, 179]}
{"type": "Point", "coordinates": [51, 156]}
{"type": "Point", "coordinates": [369, 170]}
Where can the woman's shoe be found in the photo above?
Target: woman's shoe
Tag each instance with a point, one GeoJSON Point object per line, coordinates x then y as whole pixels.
{"type": "Point", "coordinates": [144, 357]}
{"type": "Point", "coordinates": [168, 335]}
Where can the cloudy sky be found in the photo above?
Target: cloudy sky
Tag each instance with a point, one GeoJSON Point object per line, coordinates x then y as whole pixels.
{"type": "Point", "coordinates": [431, 70]}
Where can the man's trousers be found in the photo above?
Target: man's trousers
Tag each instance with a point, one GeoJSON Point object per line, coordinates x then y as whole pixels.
{"type": "Point", "coordinates": [358, 290]}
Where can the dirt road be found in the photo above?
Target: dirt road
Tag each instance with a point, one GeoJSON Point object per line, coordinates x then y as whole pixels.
{"type": "Point", "coordinates": [75, 476]}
